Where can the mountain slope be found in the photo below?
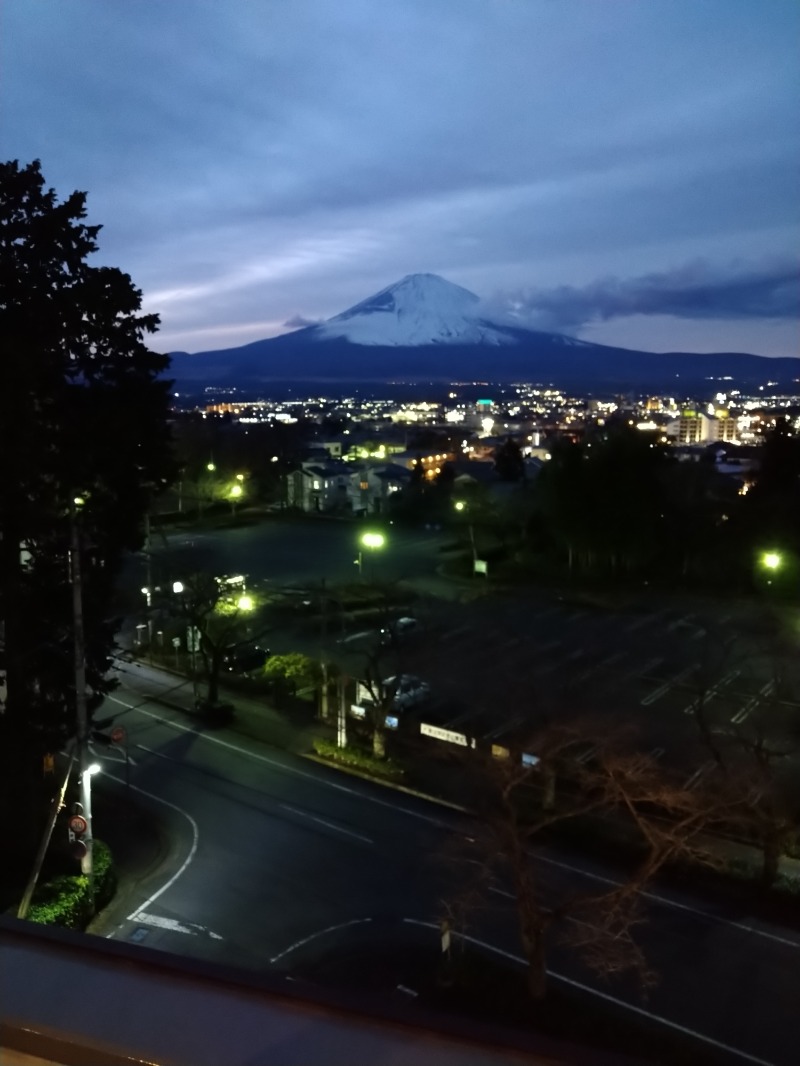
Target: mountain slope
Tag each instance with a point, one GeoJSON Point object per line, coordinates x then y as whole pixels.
{"type": "Point", "coordinates": [426, 328]}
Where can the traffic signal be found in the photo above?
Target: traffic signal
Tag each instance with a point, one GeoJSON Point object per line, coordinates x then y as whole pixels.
{"type": "Point", "coordinates": [76, 829]}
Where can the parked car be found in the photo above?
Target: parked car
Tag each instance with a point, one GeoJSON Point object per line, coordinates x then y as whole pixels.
{"type": "Point", "coordinates": [409, 691]}
{"type": "Point", "coordinates": [244, 658]}
{"type": "Point", "coordinates": [399, 629]}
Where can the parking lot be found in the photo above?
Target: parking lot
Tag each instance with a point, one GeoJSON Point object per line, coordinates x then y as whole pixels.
{"type": "Point", "coordinates": [500, 668]}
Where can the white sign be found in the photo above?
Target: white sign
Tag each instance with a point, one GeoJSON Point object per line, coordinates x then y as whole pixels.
{"type": "Point", "coordinates": [481, 567]}
{"type": "Point", "coordinates": [356, 711]}
{"type": "Point", "coordinates": [443, 734]}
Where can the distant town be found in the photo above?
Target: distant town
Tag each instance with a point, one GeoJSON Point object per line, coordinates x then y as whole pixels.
{"type": "Point", "coordinates": [353, 453]}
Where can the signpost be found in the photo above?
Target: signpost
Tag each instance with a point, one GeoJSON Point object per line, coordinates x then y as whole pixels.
{"type": "Point", "coordinates": [443, 734]}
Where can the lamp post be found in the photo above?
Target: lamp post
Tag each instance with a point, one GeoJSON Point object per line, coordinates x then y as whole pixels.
{"type": "Point", "coordinates": [463, 508]}
{"type": "Point", "coordinates": [372, 542]}
{"type": "Point", "coordinates": [85, 768]}
{"type": "Point", "coordinates": [234, 495]}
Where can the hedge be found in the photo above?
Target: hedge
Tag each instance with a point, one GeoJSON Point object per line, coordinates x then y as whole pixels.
{"type": "Point", "coordinates": [359, 760]}
{"type": "Point", "coordinates": [65, 900]}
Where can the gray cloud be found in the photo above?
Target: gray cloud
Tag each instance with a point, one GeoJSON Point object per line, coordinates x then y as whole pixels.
{"type": "Point", "coordinates": [697, 290]}
{"type": "Point", "coordinates": [300, 322]}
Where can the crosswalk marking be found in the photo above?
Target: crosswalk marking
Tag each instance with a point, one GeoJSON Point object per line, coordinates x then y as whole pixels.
{"type": "Point", "coordinates": [766, 691]}
{"type": "Point", "coordinates": [657, 693]}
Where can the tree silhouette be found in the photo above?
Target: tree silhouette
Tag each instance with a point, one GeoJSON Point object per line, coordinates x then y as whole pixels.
{"type": "Point", "coordinates": [85, 415]}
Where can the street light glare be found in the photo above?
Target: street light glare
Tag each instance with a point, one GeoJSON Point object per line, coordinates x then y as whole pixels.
{"type": "Point", "coordinates": [177, 587]}
{"type": "Point", "coordinates": [772, 560]}
{"type": "Point", "coordinates": [236, 490]}
{"type": "Point", "coordinates": [460, 505]}
{"type": "Point", "coordinates": [93, 768]}
{"type": "Point", "coordinates": [245, 603]}
{"type": "Point", "coordinates": [373, 540]}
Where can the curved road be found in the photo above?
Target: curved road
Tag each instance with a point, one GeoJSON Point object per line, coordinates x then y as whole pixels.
{"type": "Point", "coordinates": [283, 862]}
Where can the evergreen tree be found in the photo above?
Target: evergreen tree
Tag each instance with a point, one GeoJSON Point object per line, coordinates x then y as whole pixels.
{"type": "Point", "coordinates": [85, 415]}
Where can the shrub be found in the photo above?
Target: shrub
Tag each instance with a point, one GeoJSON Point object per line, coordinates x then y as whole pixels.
{"type": "Point", "coordinates": [359, 760]}
{"type": "Point", "coordinates": [65, 900]}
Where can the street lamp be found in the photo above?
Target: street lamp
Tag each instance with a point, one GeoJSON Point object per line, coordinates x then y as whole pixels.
{"type": "Point", "coordinates": [245, 603]}
{"type": "Point", "coordinates": [373, 542]}
{"type": "Point", "coordinates": [177, 587]}
{"type": "Point", "coordinates": [771, 560]}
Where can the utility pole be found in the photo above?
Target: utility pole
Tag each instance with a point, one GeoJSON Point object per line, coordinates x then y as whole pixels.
{"type": "Point", "coordinates": [149, 580]}
{"type": "Point", "coordinates": [323, 706]}
{"type": "Point", "coordinates": [56, 808]}
{"type": "Point", "coordinates": [341, 717]}
{"type": "Point", "coordinates": [81, 713]}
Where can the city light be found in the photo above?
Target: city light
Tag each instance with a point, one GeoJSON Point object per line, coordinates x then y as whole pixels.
{"type": "Point", "coordinates": [236, 491]}
{"type": "Point", "coordinates": [772, 560]}
{"type": "Point", "coordinates": [245, 603]}
{"type": "Point", "coordinates": [177, 587]}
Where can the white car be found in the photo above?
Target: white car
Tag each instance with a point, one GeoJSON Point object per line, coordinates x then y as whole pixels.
{"type": "Point", "coordinates": [408, 691]}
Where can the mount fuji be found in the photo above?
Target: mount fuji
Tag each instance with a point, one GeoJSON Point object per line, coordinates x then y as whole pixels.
{"type": "Point", "coordinates": [427, 329]}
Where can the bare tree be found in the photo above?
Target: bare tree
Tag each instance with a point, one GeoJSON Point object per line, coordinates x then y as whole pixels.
{"type": "Point", "coordinates": [751, 749]}
{"type": "Point", "coordinates": [661, 820]}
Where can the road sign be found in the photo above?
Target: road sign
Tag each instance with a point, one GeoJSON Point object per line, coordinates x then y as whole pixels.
{"type": "Point", "coordinates": [176, 642]}
{"type": "Point", "coordinates": [118, 734]}
{"type": "Point", "coordinates": [78, 824]}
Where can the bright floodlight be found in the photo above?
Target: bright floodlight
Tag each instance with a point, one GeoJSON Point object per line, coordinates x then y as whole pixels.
{"type": "Point", "coordinates": [373, 540]}
{"type": "Point", "coordinates": [771, 560]}
{"type": "Point", "coordinates": [177, 587]}
{"type": "Point", "coordinates": [236, 490]}
{"type": "Point", "coordinates": [245, 603]}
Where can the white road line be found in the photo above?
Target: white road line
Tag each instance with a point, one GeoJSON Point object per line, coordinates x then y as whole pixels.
{"type": "Point", "coordinates": [713, 691]}
{"type": "Point", "coordinates": [700, 772]}
{"type": "Point", "coordinates": [321, 781]}
{"type": "Point", "coordinates": [665, 902]}
{"type": "Point", "coordinates": [306, 940]}
{"type": "Point", "coordinates": [642, 671]}
{"type": "Point", "coordinates": [753, 702]}
{"type": "Point", "coordinates": [177, 927]}
{"type": "Point", "coordinates": [330, 825]}
{"type": "Point", "coordinates": [186, 862]}
{"type": "Point", "coordinates": [657, 693]}
{"type": "Point", "coordinates": [604, 995]}
{"type": "Point", "coordinates": [164, 923]}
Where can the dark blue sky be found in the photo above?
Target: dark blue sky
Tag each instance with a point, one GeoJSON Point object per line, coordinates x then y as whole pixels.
{"type": "Point", "coordinates": [622, 170]}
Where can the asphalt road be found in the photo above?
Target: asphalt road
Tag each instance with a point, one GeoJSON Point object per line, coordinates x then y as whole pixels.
{"type": "Point", "coordinates": [277, 862]}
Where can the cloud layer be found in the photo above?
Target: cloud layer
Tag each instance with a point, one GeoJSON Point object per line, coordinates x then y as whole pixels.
{"type": "Point", "coordinates": [697, 290]}
{"type": "Point", "coordinates": [255, 161]}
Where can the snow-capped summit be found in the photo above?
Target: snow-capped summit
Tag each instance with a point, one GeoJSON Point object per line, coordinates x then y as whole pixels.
{"type": "Point", "coordinates": [420, 309]}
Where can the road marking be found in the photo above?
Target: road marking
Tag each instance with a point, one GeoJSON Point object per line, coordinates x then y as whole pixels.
{"type": "Point", "coordinates": [700, 772]}
{"type": "Point", "coordinates": [330, 825]}
{"type": "Point", "coordinates": [173, 926]}
{"type": "Point", "coordinates": [321, 781]}
{"type": "Point", "coordinates": [603, 995]}
{"type": "Point", "coordinates": [331, 929]}
{"type": "Point", "coordinates": [665, 902]}
{"type": "Point", "coordinates": [608, 661]}
{"type": "Point", "coordinates": [713, 691]}
{"type": "Point", "coordinates": [643, 671]}
{"type": "Point", "coordinates": [657, 693]}
{"type": "Point", "coordinates": [753, 702]}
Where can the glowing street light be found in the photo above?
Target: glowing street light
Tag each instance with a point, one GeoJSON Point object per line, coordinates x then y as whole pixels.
{"type": "Point", "coordinates": [211, 467]}
{"type": "Point", "coordinates": [373, 542]}
{"type": "Point", "coordinates": [771, 560]}
{"type": "Point", "coordinates": [177, 587]}
{"type": "Point", "coordinates": [236, 491]}
{"type": "Point", "coordinates": [245, 603]}
{"type": "Point", "coordinates": [460, 505]}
